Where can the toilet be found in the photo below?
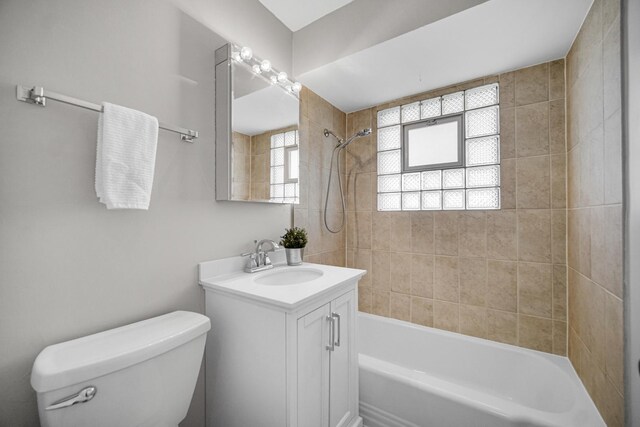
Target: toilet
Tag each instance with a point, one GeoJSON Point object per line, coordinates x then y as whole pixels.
{"type": "Point", "coordinates": [142, 374]}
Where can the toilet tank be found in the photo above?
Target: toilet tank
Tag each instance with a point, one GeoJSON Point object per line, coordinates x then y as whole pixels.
{"type": "Point", "coordinates": [144, 373]}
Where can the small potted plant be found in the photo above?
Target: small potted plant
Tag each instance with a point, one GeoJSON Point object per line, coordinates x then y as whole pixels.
{"type": "Point", "coordinates": [294, 241]}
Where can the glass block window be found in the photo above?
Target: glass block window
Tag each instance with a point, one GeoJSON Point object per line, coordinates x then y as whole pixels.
{"type": "Point", "coordinates": [284, 185]}
{"type": "Point", "coordinates": [475, 184]}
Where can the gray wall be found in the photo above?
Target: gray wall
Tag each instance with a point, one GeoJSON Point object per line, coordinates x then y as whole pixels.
{"type": "Point", "coordinates": [247, 23]}
{"type": "Point", "coordinates": [69, 267]}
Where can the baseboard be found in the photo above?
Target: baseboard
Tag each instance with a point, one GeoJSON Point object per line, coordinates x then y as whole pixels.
{"type": "Point", "coordinates": [356, 422]}
{"type": "Point", "coordinates": [376, 417]}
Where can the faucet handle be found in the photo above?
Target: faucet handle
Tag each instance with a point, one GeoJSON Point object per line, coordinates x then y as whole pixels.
{"type": "Point", "coordinates": [265, 259]}
{"type": "Point", "coordinates": [262, 258]}
{"type": "Point", "coordinates": [251, 262]}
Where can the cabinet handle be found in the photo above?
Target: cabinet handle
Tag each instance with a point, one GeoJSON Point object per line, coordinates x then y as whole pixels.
{"type": "Point", "coordinates": [337, 316]}
{"type": "Point", "coordinates": [331, 347]}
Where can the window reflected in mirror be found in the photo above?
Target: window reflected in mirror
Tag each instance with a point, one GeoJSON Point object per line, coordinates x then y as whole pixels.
{"type": "Point", "coordinates": [265, 167]}
{"type": "Point", "coordinates": [291, 163]}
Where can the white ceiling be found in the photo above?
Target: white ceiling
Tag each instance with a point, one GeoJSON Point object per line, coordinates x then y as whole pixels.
{"type": "Point", "coordinates": [263, 110]}
{"type": "Point", "coordinates": [297, 14]}
{"type": "Point", "coordinates": [493, 37]}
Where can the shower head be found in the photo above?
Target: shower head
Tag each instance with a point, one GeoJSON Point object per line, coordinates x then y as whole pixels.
{"type": "Point", "coordinates": [343, 143]}
{"type": "Point", "coordinates": [359, 134]}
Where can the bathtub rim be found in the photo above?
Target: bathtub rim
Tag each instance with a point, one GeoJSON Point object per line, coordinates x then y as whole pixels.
{"type": "Point", "coordinates": [556, 359]}
{"type": "Point", "coordinates": [561, 362]}
{"type": "Point", "coordinates": [509, 410]}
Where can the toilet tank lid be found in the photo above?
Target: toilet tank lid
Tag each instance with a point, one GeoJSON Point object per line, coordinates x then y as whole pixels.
{"type": "Point", "coordinates": [89, 357]}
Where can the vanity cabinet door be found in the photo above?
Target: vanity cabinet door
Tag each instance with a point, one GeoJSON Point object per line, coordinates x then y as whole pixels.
{"type": "Point", "coordinates": [313, 368]}
{"type": "Point", "coordinates": [343, 392]}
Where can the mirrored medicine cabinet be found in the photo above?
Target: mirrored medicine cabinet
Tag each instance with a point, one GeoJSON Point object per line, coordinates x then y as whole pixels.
{"type": "Point", "coordinates": [257, 137]}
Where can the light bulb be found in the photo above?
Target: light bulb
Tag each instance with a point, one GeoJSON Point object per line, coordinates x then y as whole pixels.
{"type": "Point", "coordinates": [273, 79]}
{"type": "Point", "coordinates": [236, 56]}
{"type": "Point", "coordinates": [282, 76]}
{"type": "Point", "coordinates": [256, 69]}
{"type": "Point", "coordinates": [265, 65]}
{"type": "Point", "coordinates": [297, 87]}
{"type": "Point", "coordinates": [246, 53]}
{"type": "Point", "coordinates": [290, 88]}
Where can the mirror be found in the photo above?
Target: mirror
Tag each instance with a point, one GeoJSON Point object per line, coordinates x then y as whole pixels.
{"type": "Point", "coordinates": [257, 138]}
{"type": "Point", "coordinates": [433, 144]}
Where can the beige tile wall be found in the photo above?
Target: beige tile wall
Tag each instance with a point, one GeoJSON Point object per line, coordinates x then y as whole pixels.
{"type": "Point", "coordinates": [595, 209]}
{"type": "Point", "coordinates": [500, 274]}
{"type": "Point", "coordinates": [241, 164]}
{"type": "Point", "coordinates": [316, 114]}
{"type": "Point", "coordinates": [261, 165]}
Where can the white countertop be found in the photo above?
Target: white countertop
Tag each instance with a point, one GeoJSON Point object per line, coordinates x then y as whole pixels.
{"type": "Point", "coordinates": [223, 276]}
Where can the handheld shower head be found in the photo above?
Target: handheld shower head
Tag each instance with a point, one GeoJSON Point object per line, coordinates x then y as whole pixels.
{"type": "Point", "coordinates": [359, 134]}
{"type": "Point", "coordinates": [342, 144]}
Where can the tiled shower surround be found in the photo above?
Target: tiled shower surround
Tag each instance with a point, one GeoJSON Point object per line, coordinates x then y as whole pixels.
{"type": "Point", "coordinates": [501, 274]}
{"type": "Point", "coordinates": [595, 209]}
{"type": "Point", "coordinates": [316, 114]}
{"type": "Point", "coordinates": [497, 274]}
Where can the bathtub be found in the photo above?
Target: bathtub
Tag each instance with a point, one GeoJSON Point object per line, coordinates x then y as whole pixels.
{"type": "Point", "coordinates": [412, 376]}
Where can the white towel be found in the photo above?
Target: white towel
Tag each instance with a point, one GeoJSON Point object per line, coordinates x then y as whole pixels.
{"type": "Point", "coordinates": [126, 157]}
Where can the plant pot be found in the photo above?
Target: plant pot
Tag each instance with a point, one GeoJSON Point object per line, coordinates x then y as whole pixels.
{"type": "Point", "coordinates": [294, 255]}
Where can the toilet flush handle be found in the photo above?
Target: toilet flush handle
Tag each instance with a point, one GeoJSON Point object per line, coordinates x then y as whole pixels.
{"type": "Point", "coordinates": [84, 395]}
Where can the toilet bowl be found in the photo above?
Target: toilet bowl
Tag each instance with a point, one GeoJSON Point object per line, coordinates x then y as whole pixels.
{"type": "Point", "coordinates": [142, 374]}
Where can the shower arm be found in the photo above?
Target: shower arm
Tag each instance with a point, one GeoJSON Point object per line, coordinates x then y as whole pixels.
{"type": "Point", "coordinates": [328, 132]}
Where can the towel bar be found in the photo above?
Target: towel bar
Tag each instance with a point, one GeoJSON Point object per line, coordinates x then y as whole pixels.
{"type": "Point", "coordinates": [37, 95]}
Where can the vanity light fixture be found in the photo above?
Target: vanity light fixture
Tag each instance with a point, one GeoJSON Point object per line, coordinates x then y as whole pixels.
{"type": "Point", "coordinates": [246, 53]}
{"type": "Point", "coordinates": [262, 67]}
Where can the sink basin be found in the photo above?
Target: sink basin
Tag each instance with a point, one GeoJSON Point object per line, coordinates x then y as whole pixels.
{"type": "Point", "coordinates": [290, 276]}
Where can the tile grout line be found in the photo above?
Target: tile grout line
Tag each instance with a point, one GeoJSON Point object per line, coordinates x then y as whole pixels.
{"type": "Point", "coordinates": [517, 210]}
{"type": "Point", "coordinates": [566, 203]}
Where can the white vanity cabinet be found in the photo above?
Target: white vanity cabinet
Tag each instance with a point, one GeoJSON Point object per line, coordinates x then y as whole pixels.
{"type": "Point", "coordinates": [281, 356]}
{"type": "Point", "coordinates": [327, 378]}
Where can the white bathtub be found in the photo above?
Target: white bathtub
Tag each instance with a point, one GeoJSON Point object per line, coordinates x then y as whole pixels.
{"type": "Point", "coordinates": [411, 376]}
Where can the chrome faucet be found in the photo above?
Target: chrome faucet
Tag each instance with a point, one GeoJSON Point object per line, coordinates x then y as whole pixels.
{"type": "Point", "coordinates": [259, 260]}
{"type": "Point", "coordinates": [262, 256]}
